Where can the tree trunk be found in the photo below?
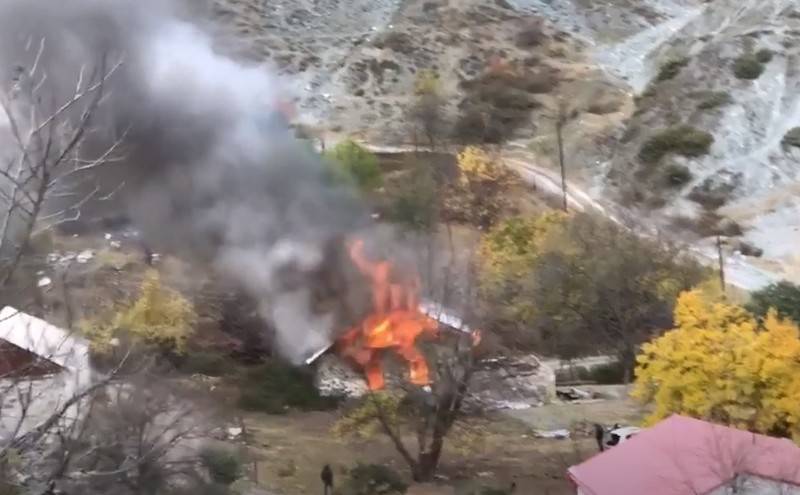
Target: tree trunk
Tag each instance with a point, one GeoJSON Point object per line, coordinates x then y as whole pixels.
{"type": "Point", "coordinates": [429, 461]}
{"type": "Point", "coordinates": [627, 359]}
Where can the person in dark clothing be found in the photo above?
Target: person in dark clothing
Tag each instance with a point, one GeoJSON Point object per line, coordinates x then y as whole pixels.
{"type": "Point", "coordinates": [599, 435]}
{"type": "Point", "coordinates": [327, 480]}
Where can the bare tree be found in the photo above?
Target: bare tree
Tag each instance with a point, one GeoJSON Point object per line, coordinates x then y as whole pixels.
{"type": "Point", "coordinates": [137, 437]}
{"type": "Point", "coordinates": [106, 433]}
{"type": "Point", "coordinates": [44, 154]}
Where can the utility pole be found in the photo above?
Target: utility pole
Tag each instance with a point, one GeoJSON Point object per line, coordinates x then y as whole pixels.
{"type": "Point", "coordinates": [721, 264]}
{"type": "Point", "coordinates": [561, 119]}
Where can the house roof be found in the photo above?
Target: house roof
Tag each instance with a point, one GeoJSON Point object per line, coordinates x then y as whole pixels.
{"type": "Point", "coordinates": [43, 339]}
{"type": "Point", "coordinates": [682, 455]}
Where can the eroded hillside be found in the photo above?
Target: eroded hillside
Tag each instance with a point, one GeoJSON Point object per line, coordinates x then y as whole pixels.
{"type": "Point", "coordinates": [636, 75]}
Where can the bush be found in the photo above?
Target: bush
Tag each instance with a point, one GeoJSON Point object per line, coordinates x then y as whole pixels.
{"type": "Point", "coordinates": [224, 467]}
{"type": "Point", "coordinates": [748, 249]}
{"type": "Point", "coordinates": [397, 41]}
{"type": "Point", "coordinates": [414, 205]}
{"type": "Point", "coordinates": [531, 35]}
{"type": "Point", "coordinates": [373, 479]}
{"type": "Point", "coordinates": [500, 101]}
{"type": "Point", "coordinates": [714, 99]}
{"type": "Point", "coordinates": [672, 68]}
{"type": "Point", "coordinates": [604, 374]}
{"type": "Point", "coordinates": [275, 387]}
{"type": "Point", "coordinates": [792, 138]}
{"type": "Point", "coordinates": [764, 55]}
{"type": "Point", "coordinates": [682, 139]}
{"type": "Point", "coordinates": [677, 175]}
{"type": "Point", "coordinates": [356, 163]}
{"type": "Point", "coordinates": [783, 296]}
{"type": "Point", "coordinates": [159, 317]}
{"type": "Point", "coordinates": [204, 362]}
{"type": "Point", "coordinates": [748, 67]}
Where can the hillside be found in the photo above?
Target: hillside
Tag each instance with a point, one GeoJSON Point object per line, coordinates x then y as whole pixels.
{"type": "Point", "coordinates": [351, 67]}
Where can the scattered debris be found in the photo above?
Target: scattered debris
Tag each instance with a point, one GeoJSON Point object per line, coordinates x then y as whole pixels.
{"type": "Point", "coordinates": [518, 382]}
{"type": "Point", "coordinates": [561, 434]}
{"type": "Point", "coordinates": [572, 394]}
{"type": "Point", "coordinates": [84, 256]}
{"type": "Point", "coordinates": [115, 244]}
{"type": "Point", "coordinates": [108, 236]}
{"type": "Point", "coordinates": [510, 405]}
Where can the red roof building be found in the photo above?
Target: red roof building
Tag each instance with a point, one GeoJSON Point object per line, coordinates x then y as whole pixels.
{"type": "Point", "coordinates": [682, 455]}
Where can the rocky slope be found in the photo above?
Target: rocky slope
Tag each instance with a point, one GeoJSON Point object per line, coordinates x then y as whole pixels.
{"type": "Point", "coordinates": [749, 175]}
{"type": "Point", "coordinates": [629, 69]}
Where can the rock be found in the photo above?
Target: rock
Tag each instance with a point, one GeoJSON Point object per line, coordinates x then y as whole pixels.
{"type": "Point", "coordinates": [511, 383]}
{"type": "Point", "coordinates": [44, 282]}
{"type": "Point", "coordinates": [234, 433]}
{"type": "Point", "coordinates": [335, 378]}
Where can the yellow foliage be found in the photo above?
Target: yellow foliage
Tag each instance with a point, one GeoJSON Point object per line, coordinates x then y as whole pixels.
{"type": "Point", "coordinates": [719, 364]}
{"type": "Point", "coordinates": [476, 165]}
{"type": "Point", "coordinates": [427, 82]}
{"type": "Point", "coordinates": [481, 193]}
{"type": "Point", "coordinates": [159, 316]}
{"type": "Point", "coordinates": [518, 240]}
{"type": "Point", "coordinates": [511, 248]}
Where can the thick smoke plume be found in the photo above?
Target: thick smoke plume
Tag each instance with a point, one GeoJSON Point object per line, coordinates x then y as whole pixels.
{"type": "Point", "coordinates": [209, 167]}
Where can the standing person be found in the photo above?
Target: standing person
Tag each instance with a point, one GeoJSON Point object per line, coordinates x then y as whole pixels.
{"type": "Point", "coordinates": [599, 435]}
{"type": "Point", "coordinates": [327, 480]}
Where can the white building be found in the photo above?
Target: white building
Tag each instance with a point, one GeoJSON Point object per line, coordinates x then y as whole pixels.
{"type": "Point", "coordinates": [41, 367]}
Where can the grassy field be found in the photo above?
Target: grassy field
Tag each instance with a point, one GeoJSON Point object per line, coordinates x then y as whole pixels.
{"type": "Point", "coordinates": [289, 451]}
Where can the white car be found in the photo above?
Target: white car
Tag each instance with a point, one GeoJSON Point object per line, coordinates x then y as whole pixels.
{"type": "Point", "coordinates": [620, 434]}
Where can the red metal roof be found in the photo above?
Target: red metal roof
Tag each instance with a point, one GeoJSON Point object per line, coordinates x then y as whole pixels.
{"type": "Point", "coordinates": [682, 455]}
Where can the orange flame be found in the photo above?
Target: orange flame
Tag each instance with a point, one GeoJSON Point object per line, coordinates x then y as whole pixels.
{"type": "Point", "coordinates": [395, 323]}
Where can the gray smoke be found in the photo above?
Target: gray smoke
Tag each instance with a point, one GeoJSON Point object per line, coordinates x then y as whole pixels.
{"type": "Point", "coordinates": [209, 167]}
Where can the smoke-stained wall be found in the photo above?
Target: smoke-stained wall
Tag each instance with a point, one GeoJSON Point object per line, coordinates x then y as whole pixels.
{"type": "Point", "coordinates": [208, 165]}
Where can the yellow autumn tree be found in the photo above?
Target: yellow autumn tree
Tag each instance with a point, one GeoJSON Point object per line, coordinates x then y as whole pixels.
{"type": "Point", "coordinates": [480, 194]}
{"type": "Point", "coordinates": [159, 316]}
{"type": "Point", "coordinates": [721, 365]}
{"type": "Point", "coordinates": [512, 246]}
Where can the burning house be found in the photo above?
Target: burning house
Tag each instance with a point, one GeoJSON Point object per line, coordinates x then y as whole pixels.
{"type": "Point", "coordinates": [400, 338]}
